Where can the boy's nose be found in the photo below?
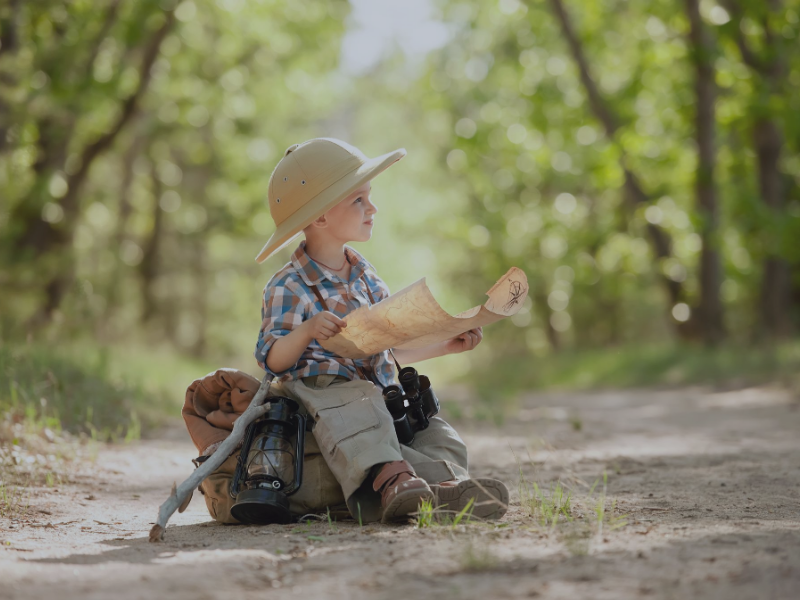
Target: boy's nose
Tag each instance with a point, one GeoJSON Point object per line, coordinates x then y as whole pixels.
{"type": "Point", "coordinates": [371, 208]}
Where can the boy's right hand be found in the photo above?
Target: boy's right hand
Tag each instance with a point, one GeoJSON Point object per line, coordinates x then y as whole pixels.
{"type": "Point", "coordinates": [323, 325]}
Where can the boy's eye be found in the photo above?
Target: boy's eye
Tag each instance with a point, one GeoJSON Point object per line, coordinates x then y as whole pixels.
{"type": "Point", "coordinates": [358, 199]}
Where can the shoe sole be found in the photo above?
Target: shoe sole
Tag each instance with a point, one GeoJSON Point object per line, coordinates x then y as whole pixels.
{"type": "Point", "coordinates": [405, 503]}
{"type": "Point", "coordinates": [491, 497]}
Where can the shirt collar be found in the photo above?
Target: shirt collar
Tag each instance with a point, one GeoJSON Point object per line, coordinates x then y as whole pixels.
{"type": "Point", "coordinates": [313, 273]}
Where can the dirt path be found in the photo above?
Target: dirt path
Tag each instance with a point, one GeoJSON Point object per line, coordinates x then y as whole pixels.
{"type": "Point", "coordinates": [709, 484]}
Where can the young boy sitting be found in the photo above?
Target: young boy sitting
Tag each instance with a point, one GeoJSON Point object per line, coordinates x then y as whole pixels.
{"type": "Point", "coordinates": [321, 188]}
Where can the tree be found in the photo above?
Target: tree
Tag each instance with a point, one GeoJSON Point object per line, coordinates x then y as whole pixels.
{"type": "Point", "coordinates": [702, 57]}
{"type": "Point", "coordinates": [32, 236]}
{"type": "Point", "coordinates": [634, 192]}
{"type": "Point", "coordinates": [770, 68]}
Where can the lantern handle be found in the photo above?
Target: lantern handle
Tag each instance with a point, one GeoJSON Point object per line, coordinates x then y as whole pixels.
{"type": "Point", "coordinates": [301, 450]}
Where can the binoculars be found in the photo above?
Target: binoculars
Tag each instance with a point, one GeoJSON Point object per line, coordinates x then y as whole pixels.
{"type": "Point", "coordinates": [411, 405]}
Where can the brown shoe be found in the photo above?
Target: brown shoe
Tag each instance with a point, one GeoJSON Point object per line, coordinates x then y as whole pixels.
{"type": "Point", "coordinates": [401, 490]}
{"type": "Point", "coordinates": [490, 497]}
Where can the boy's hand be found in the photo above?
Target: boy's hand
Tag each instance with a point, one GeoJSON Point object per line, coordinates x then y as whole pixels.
{"type": "Point", "coordinates": [323, 325]}
{"type": "Point", "coordinates": [466, 341]}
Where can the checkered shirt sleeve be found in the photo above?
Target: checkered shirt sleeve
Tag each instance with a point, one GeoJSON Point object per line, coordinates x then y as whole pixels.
{"type": "Point", "coordinates": [283, 307]}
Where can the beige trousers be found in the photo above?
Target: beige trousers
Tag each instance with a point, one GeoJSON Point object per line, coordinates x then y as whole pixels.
{"type": "Point", "coordinates": [353, 432]}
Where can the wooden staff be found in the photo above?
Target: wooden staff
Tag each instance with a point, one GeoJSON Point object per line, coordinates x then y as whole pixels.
{"type": "Point", "coordinates": [181, 494]}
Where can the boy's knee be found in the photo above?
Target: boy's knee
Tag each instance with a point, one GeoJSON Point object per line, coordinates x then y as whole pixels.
{"type": "Point", "coordinates": [440, 440]}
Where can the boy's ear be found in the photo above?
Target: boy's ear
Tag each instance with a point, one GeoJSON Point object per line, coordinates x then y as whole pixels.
{"type": "Point", "coordinates": [320, 222]}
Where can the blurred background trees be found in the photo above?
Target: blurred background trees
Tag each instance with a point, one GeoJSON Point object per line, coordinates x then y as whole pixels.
{"type": "Point", "coordinates": [639, 160]}
{"type": "Point", "coordinates": [630, 155]}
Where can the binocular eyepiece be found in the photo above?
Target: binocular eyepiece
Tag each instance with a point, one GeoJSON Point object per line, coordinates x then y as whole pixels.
{"type": "Point", "coordinates": [411, 404]}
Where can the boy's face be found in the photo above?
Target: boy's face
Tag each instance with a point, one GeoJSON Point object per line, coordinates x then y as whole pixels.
{"type": "Point", "coordinates": [352, 219]}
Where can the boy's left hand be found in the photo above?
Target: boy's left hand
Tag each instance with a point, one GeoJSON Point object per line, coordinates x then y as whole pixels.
{"type": "Point", "coordinates": [466, 341]}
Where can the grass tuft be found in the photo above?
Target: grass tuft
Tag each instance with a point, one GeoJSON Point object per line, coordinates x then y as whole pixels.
{"type": "Point", "coordinates": [606, 518]}
{"type": "Point", "coordinates": [429, 516]}
{"type": "Point", "coordinates": [13, 500]}
{"type": "Point", "coordinates": [546, 507]}
{"type": "Point", "coordinates": [425, 518]}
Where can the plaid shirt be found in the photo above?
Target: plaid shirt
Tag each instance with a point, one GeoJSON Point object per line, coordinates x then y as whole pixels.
{"type": "Point", "coordinates": [288, 300]}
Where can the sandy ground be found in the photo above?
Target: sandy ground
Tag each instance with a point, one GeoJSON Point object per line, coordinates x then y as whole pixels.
{"type": "Point", "coordinates": [707, 484]}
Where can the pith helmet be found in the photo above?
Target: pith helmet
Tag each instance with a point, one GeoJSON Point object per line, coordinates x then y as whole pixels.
{"type": "Point", "coordinates": [312, 178]}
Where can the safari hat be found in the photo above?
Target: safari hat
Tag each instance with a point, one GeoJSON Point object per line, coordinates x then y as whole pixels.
{"type": "Point", "coordinates": [312, 178]}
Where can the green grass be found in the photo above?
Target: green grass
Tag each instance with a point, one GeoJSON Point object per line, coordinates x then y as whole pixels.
{"type": "Point", "coordinates": [546, 506]}
{"type": "Point", "coordinates": [429, 516]}
{"type": "Point", "coordinates": [13, 500]}
{"type": "Point", "coordinates": [107, 394]}
{"type": "Point", "coordinates": [605, 518]}
{"type": "Point", "coordinates": [639, 366]}
{"type": "Point", "coordinates": [425, 517]}
{"type": "Point", "coordinates": [551, 507]}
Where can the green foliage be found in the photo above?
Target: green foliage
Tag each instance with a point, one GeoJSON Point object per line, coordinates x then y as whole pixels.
{"type": "Point", "coordinates": [176, 207]}
{"type": "Point", "coordinates": [546, 178]}
{"type": "Point", "coordinates": [637, 365]}
{"type": "Point", "coordinates": [137, 140]}
{"type": "Point", "coordinates": [78, 391]}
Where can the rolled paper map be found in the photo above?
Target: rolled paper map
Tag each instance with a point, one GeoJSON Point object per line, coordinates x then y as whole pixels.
{"type": "Point", "coordinates": [412, 318]}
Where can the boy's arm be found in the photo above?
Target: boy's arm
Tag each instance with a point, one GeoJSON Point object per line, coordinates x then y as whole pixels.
{"type": "Point", "coordinates": [408, 356]}
{"type": "Point", "coordinates": [461, 343]}
{"type": "Point", "coordinates": [287, 350]}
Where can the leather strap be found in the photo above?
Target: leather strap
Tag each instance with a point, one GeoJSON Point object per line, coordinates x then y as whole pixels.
{"type": "Point", "coordinates": [360, 370]}
{"type": "Point", "coordinates": [318, 294]}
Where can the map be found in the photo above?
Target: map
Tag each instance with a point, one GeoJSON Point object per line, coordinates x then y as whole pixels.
{"type": "Point", "coordinates": [412, 318]}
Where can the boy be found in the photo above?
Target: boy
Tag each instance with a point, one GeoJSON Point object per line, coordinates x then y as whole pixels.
{"type": "Point", "coordinates": [321, 188]}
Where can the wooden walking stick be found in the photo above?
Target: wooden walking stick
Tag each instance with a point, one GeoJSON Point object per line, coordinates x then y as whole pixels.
{"type": "Point", "coordinates": [178, 499]}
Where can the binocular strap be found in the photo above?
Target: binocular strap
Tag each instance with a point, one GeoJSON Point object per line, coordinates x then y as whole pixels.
{"type": "Point", "coordinates": [362, 372]}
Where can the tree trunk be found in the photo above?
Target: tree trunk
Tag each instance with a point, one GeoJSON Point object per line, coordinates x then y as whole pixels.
{"type": "Point", "coordinates": [148, 268]}
{"type": "Point", "coordinates": [770, 67]}
{"type": "Point", "coordinates": [123, 215]}
{"type": "Point", "coordinates": [201, 297]}
{"type": "Point", "coordinates": [775, 285]}
{"type": "Point", "coordinates": [9, 25]}
{"type": "Point", "coordinates": [9, 43]}
{"type": "Point", "coordinates": [710, 306]}
{"type": "Point", "coordinates": [540, 301]}
{"type": "Point", "coordinates": [634, 193]}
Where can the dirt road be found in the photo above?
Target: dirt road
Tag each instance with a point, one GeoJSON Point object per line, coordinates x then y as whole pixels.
{"type": "Point", "coordinates": [705, 485]}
